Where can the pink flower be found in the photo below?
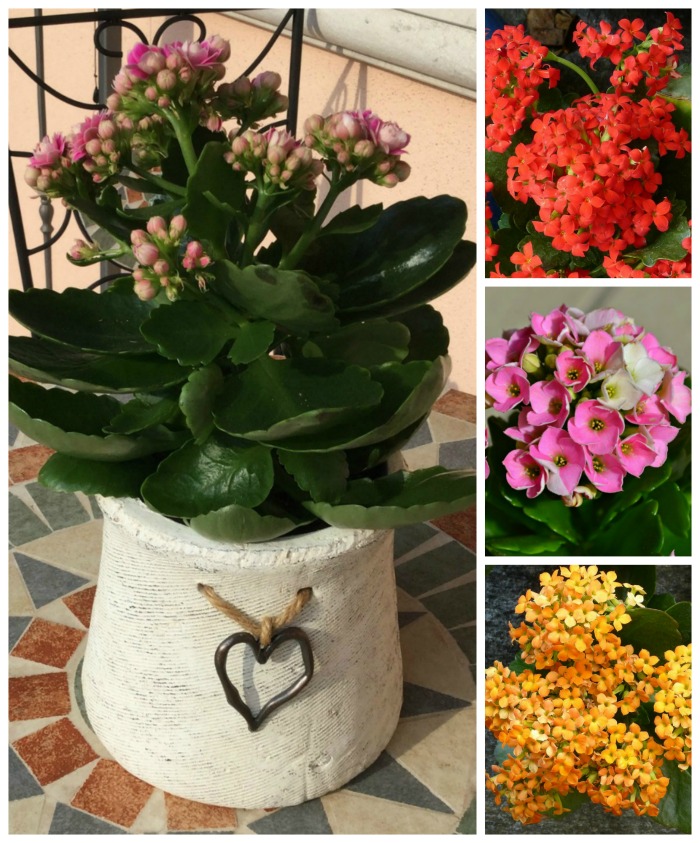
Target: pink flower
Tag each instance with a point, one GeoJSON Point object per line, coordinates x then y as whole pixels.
{"type": "Point", "coordinates": [648, 410]}
{"type": "Point", "coordinates": [550, 404]}
{"type": "Point", "coordinates": [675, 396]}
{"type": "Point", "coordinates": [49, 151]}
{"type": "Point", "coordinates": [635, 454]}
{"type": "Point", "coordinates": [662, 354]}
{"type": "Point", "coordinates": [563, 459]}
{"type": "Point", "coordinates": [572, 370]}
{"type": "Point", "coordinates": [596, 426]}
{"type": "Point", "coordinates": [508, 387]}
{"type": "Point", "coordinates": [524, 432]}
{"type": "Point", "coordinates": [605, 472]}
{"type": "Point", "coordinates": [510, 348]}
{"type": "Point", "coordinates": [210, 54]}
{"type": "Point", "coordinates": [392, 139]}
{"type": "Point", "coordinates": [560, 325]}
{"type": "Point", "coordinates": [524, 472]}
{"type": "Point", "coordinates": [659, 436]}
{"type": "Point", "coordinates": [603, 352]}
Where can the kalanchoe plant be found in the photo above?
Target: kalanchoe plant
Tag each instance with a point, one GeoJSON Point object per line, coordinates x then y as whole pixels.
{"type": "Point", "coordinates": [588, 183]}
{"type": "Point", "coordinates": [273, 357]}
{"type": "Point", "coordinates": [597, 706]}
{"type": "Point", "coordinates": [594, 458]}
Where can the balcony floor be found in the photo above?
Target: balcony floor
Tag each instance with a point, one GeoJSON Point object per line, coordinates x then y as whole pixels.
{"type": "Point", "coordinates": [62, 781]}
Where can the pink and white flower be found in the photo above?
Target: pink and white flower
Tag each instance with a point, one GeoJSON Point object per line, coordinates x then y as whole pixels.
{"type": "Point", "coordinates": [635, 454]}
{"type": "Point", "coordinates": [550, 404]}
{"type": "Point", "coordinates": [596, 426]}
{"type": "Point", "coordinates": [524, 473]}
{"type": "Point", "coordinates": [572, 370]}
{"type": "Point", "coordinates": [563, 459]}
{"type": "Point", "coordinates": [605, 472]}
{"type": "Point", "coordinates": [675, 396]}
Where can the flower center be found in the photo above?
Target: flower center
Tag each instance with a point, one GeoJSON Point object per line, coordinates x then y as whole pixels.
{"type": "Point", "coordinates": [598, 465]}
{"type": "Point", "coordinates": [626, 448]}
{"type": "Point", "coordinates": [513, 390]}
{"type": "Point", "coordinates": [555, 406]}
{"type": "Point", "coordinates": [560, 461]}
{"type": "Point", "coordinates": [532, 471]}
{"type": "Point", "coordinates": [597, 425]}
{"type": "Point", "coordinates": [611, 389]}
{"type": "Point", "coordinates": [572, 374]}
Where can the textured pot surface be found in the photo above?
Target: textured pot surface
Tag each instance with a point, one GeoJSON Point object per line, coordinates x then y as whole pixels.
{"type": "Point", "coordinates": [151, 689]}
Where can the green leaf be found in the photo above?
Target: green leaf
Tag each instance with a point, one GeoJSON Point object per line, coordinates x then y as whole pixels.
{"type": "Point", "coordinates": [682, 614]}
{"type": "Point", "coordinates": [84, 319]}
{"type": "Point", "coordinates": [552, 513]}
{"type": "Point", "coordinates": [274, 399]}
{"type": "Point", "coordinates": [138, 415]}
{"type": "Point", "coordinates": [519, 665]}
{"type": "Point", "coordinates": [353, 221]}
{"type": "Point", "coordinates": [364, 343]}
{"type": "Point", "coordinates": [652, 630]}
{"type": "Point", "coordinates": [190, 332]}
{"type": "Point", "coordinates": [104, 217]}
{"type": "Point", "coordinates": [667, 246]}
{"type": "Point", "coordinates": [662, 602]}
{"type": "Point", "coordinates": [240, 525]}
{"type": "Point", "coordinates": [508, 240]}
{"type": "Point", "coordinates": [63, 473]}
{"type": "Point", "coordinates": [675, 809]}
{"type": "Point", "coordinates": [399, 499]}
{"type": "Point", "coordinates": [72, 423]}
{"type": "Point", "coordinates": [213, 187]}
{"type": "Point", "coordinates": [197, 401]}
{"type": "Point", "coordinates": [174, 167]}
{"type": "Point", "coordinates": [674, 509]}
{"type": "Point", "coordinates": [542, 245]}
{"type": "Point", "coordinates": [288, 298]}
{"type": "Point", "coordinates": [633, 490]}
{"type": "Point", "coordinates": [289, 221]}
{"type": "Point", "coordinates": [198, 479]}
{"type": "Point", "coordinates": [252, 341]}
{"type": "Point", "coordinates": [643, 575]}
{"type": "Point", "coordinates": [48, 362]}
{"type": "Point", "coordinates": [497, 169]}
{"type": "Point", "coordinates": [409, 243]}
{"type": "Point", "coordinates": [430, 339]}
{"type": "Point", "coordinates": [525, 545]}
{"type": "Point", "coordinates": [636, 532]}
{"type": "Point", "coordinates": [324, 476]}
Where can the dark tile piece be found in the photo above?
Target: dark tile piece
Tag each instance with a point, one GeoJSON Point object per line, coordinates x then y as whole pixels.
{"type": "Point", "coordinates": [408, 617]}
{"type": "Point", "coordinates": [23, 525]}
{"type": "Point", "coordinates": [460, 454]}
{"type": "Point", "coordinates": [67, 820]}
{"type": "Point", "coordinates": [22, 783]}
{"type": "Point", "coordinates": [435, 568]}
{"type": "Point", "coordinates": [96, 511]}
{"type": "Point", "coordinates": [60, 509]}
{"type": "Point", "coordinates": [408, 538]}
{"type": "Point", "coordinates": [453, 607]}
{"type": "Point", "coordinates": [422, 436]}
{"type": "Point", "coordinates": [387, 779]}
{"type": "Point", "coordinates": [13, 433]}
{"type": "Point", "coordinates": [307, 818]}
{"type": "Point", "coordinates": [467, 825]}
{"type": "Point", "coordinates": [78, 691]}
{"type": "Point", "coordinates": [466, 638]}
{"type": "Point", "coordinates": [16, 628]}
{"type": "Point", "coordinates": [46, 583]}
{"type": "Point", "coordinates": [419, 700]}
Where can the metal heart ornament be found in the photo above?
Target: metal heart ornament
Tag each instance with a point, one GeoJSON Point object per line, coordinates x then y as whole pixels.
{"type": "Point", "coordinates": [262, 654]}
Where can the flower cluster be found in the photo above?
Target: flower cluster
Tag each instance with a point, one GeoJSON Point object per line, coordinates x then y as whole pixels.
{"type": "Point", "coordinates": [157, 250]}
{"type": "Point", "coordinates": [360, 143]}
{"type": "Point", "coordinates": [592, 168]}
{"type": "Point", "coordinates": [596, 397]}
{"type": "Point", "coordinates": [571, 727]}
{"type": "Point", "coordinates": [251, 100]}
{"type": "Point", "coordinates": [276, 159]}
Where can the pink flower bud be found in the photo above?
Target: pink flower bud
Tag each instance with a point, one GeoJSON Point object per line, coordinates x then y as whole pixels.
{"type": "Point", "coordinates": [313, 124]}
{"type": "Point", "coordinates": [161, 267]}
{"type": "Point", "coordinates": [106, 130]}
{"type": "Point", "coordinates": [392, 138]}
{"type": "Point", "coordinates": [402, 170]}
{"type": "Point", "coordinates": [178, 226]}
{"type": "Point", "coordinates": [31, 175]}
{"type": "Point", "coordinates": [121, 84]}
{"type": "Point", "coordinates": [239, 146]}
{"type": "Point", "coordinates": [344, 126]}
{"type": "Point", "coordinates": [151, 93]}
{"type": "Point", "coordinates": [78, 249]}
{"type": "Point", "coordinates": [241, 87]}
{"type": "Point", "coordinates": [114, 102]}
{"type": "Point", "coordinates": [164, 102]}
{"type": "Point", "coordinates": [144, 290]}
{"type": "Point", "coordinates": [93, 147]}
{"type": "Point", "coordinates": [138, 237]}
{"type": "Point", "coordinates": [166, 79]}
{"type": "Point", "coordinates": [146, 253]}
{"type": "Point", "coordinates": [194, 249]}
{"type": "Point", "coordinates": [156, 226]}
{"type": "Point", "coordinates": [364, 149]}
{"type": "Point", "coordinates": [268, 79]}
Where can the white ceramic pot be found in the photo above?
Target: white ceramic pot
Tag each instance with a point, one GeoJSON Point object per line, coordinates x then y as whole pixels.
{"type": "Point", "coordinates": [153, 695]}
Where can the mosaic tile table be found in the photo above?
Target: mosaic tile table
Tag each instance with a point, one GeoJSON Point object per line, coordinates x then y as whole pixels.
{"type": "Point", "coordinates": [62, 781]}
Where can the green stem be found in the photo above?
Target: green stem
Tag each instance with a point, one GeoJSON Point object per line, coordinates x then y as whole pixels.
{"type": "Point", "coordinates": [582, 73]}
{"type": "Point", "coordinates": [159, 181]}
{"type": "Point", "coordinates": [297, 251]}
{"type": "Point", "coordinates": [257, 228]}
{"type": "Point", "coordinates": [184, 138]}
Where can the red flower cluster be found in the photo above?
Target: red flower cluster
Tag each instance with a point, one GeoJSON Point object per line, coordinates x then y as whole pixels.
{"type": "Point", "coordinates": [653, 61]}
{"type": "Point", "coordinates": [491, 247]}
{"type": "Point", "coordinates": [514, 72]}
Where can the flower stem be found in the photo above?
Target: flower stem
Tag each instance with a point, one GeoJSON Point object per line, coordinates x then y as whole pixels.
{"type": "Point", "coordinates": [158, 181]}
{"type": "Point", "coordinates": [295, 254]}
{"type": "Point", "coordinates": [582, 73]}
{"type": "Point", "coordinates": [184, 138]}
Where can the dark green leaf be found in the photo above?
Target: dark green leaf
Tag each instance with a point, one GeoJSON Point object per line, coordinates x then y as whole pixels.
{"type": "Point", "coordinates": [542, 245]}
{"type": "Point", "coordinates": [430, 339]}
{"type": "Point", "coordinates": [165, 209]}
{"type": "Point", "coordinates": [633, 490]}
{"type": "Point", "coordinates": [508, 240]}
{"type": "Point", "coordinates": [525, 545]}
{"type": "Point", "coordinates": [84, 319]}
{"type": "Point", "coordinates": [289, 221]}
{"type": "Point", "coordinates": [363, 343]}
{"type": "Point", "coordinates": [324, 476]}
{"type": "Point", "coordinates": [252, 341]}
{"type": "Point", "coordinates": [675, 809]}
{"type": "Point", "coordinates": [642, 575]}
{"type": "Point", "coordinates": [674, 509]}
{"type": "Point", "coordinates": [652, 630]}
{"type": "Point", "coordinates": [354, 220]}
{"type": "Point", "coordinates": [105, 217]}
{"type": "Point", "coordinates": [636, 532]}
{"type": "Point", "coordinates": [198, 479]}
{"type": "Point", "coordinates": [240, 525]}
{"type": "Point", "coordinates": [286, 297]}
{"type": "Point", "coordinates": [174, 167]}
{"type": "Point", "coordinates": [662, 602]}
{"type": "Point", "coordinates": [552, 513]}
{"type": "Point", "coordinates": [48, 362]}
{"type": "Point", "coordinates": [497, 167]}
{"type": "Point", "coordinates": [519, 665]}
{"type": "Point", "coordinates": [399, 499]}
{"type": "Point", "coordinates": [197, 401]}
{"type": "Point", "coordinates": [273, 399]}
{"type": "Point", "coordinates": [682, 614]}
{"type": "Point", "coordinates": [93, 477]}
{"type": "Point", "coordinates": [212, 187]}
{"type": "Point", "coordinates": [667, 245]}
{"type": "Point", "coordinates": [190, 332]}
{"type": "Point", "coordinates": [138, 415]}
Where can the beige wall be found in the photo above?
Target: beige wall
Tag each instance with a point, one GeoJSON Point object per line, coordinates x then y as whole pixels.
{"type": "Point", "coordinates": [441, 124]}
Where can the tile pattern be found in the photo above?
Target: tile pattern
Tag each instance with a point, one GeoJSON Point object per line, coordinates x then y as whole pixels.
{"type": "Point", "coordinates": [62, 781]}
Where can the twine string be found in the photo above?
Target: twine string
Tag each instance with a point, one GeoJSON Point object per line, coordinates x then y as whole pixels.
{"type": "Point", "coordinates": [267, 627]}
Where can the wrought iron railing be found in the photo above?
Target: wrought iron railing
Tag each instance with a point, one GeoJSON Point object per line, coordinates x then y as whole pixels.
{"type": "Point", "coordinates": [107, 42]}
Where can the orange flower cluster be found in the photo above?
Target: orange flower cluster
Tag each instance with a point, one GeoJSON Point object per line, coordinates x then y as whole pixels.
{"type": "Point", "coordinates": [570, 727]}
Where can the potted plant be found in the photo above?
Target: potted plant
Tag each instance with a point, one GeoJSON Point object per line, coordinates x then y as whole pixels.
{"type": "Point", "coordinates": [271, 359]}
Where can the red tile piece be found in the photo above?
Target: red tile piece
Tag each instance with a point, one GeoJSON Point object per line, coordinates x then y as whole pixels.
{"type": "Point", "coordinates": [80, 603]}
{"type": "Point", "coordinates": [185, 815]}
{"type": "Point", "coordinates": [48, 643]}
{"type": "Point", "coordinates": [457, 404]}
{"type": "Point", "coordinates": [54, 751]}
{"type": "Point", "coordinates": [25, 463]}
{"type": "Point", "coordinates": [113, 794]}
{"type": "Point", "coordinates": [461, 526]}
{"type": "Point", "coordinates": [43, 695]}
